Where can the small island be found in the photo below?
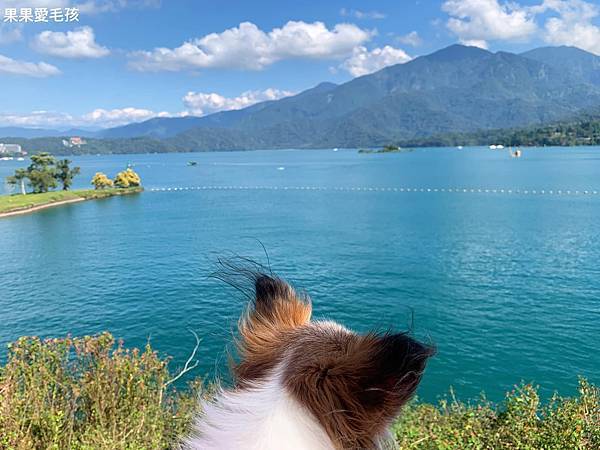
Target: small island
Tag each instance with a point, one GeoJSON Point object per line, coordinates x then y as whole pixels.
{"type": "Point", "coordinates": [46, 173]}
{"type": "Point", "coordinates": [386, 149]}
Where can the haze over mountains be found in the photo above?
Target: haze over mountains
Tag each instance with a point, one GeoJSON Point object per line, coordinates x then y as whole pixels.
{"type": "Point", "coordinates": [456, 89]}
{"type": "Point", "coordinates": [43, 132]}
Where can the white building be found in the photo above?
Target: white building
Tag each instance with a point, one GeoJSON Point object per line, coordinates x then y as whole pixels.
{"type": "Point", "coordinates": [10, 148]}
{"type": "Point", "coordinates": [75, 141]}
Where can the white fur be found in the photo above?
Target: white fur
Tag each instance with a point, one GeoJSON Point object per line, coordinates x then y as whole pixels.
{"type": "Point", "coordinates": [331, 325]}
{"type": "Point", "coordinates": [264, 417]}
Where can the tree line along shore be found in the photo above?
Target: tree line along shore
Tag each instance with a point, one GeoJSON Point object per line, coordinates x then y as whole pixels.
{"type": "Point", "coordinates": [584, 131]}
{"type": "Point", "coordinates": [37, 184]}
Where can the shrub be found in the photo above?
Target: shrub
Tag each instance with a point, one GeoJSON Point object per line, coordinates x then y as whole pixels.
{"type": "Point", "coordinates": [88, 393]}
{"type": "Point", "coordinates": [101, 181]}
{"type": "Point", "coordinates": [127, 178]}
{"type": "Point", "coordinates": [521, 422]}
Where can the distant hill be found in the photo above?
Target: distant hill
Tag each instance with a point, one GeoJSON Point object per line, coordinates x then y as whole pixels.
{"type": "Point", "coordinates": [457, 90]}
{"type": "Point", "coordinates": [22, 132]}
{"type": "Point", "coordinates": [584, 130]}
{"type": "Point", "coordinates": [580, 131]}
{"type": "Point", "coordinates": [171, 126]}
{"type": "Point", "coordinates": [157, 128]}
{"type": "Point", "coordinates": [581, 64]}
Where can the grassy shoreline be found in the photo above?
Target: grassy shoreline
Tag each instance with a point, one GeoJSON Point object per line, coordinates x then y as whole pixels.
{"type": "Point", "coordinates": [17, 203]}
{"type": "Point", "coordinates": [93, 393]}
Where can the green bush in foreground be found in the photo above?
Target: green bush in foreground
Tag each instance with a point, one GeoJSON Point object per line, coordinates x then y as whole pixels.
{"type": "Point", "coordinates": [92, 393]}
{"type": "Point", "coordinates": [88, 393]}
{"type": "Point", "coordinates": [521, 422]}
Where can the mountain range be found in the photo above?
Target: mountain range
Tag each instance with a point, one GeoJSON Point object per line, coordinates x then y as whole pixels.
{"type": "Point", "coordinates": [458, 89]}
{"type": "Point", "coordinates": [23, 132]}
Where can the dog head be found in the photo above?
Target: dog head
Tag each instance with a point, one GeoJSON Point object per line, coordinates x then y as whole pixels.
{"type": "Point", "coordinates": [354, 385]}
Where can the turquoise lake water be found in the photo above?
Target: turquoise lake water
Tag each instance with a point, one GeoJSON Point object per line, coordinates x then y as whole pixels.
{"type": "Point", "coordinates": [506, 284]}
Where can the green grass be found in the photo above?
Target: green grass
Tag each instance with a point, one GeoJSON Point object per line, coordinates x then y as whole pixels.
{"type": "Point", "coordinates": [17, 202]}
{"type": "Point", "coordinates": [93, 393]}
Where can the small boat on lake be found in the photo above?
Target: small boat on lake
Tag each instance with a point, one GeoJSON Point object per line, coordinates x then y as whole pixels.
{"type": "Point", "coordinates": [192, 163]}
{"type": "Point", "coordinates": [516, 154]}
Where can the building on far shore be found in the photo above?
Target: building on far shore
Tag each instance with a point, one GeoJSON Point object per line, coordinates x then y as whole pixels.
{"type": "Point", "coordinates": [74, 141]}
{"type": "Point", "coordinates": [10, 148]}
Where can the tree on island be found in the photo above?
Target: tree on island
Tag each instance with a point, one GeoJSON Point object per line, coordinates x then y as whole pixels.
{"type": "Point", "coordinates": [101, 181]}
{"type": "Point", "coordinates": [41, 180]}
{"type": "Point", "coordinates": [127, 178]}
{"type": "Point", "coordinates": [44, 173]}
{"type": "Point", "coordinates": [65, 174]}
{"type": "Point", "coordinates": [18, 179]}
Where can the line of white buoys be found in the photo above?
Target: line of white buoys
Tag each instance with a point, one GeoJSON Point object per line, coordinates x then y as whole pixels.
{"type": "Point", "coordinates": [576, 192]}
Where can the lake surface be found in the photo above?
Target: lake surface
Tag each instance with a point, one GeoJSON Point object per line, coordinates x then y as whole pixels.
{"type": "Point", "coordinates": [506, 284]}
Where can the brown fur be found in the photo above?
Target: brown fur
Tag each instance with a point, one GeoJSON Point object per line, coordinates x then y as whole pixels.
{"type": "Point", "coordinates": [354, 385]}
{"type": "Point", "coordinates": [276, 312]}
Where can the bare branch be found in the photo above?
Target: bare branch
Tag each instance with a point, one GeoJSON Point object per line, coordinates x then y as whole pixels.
{"type": "Point", "coordinates": [186, 368]}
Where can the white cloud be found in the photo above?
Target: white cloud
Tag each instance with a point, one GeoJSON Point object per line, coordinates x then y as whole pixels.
{"type": "Point", "coordinates": [363, 61]}
{"type": "Point", "coordinates": [35, 119]}
{"type": "Point", "coordinates": [17, 67]}
{"type": "Point", "coordinates": [98, 118]}
{"type": "Point", "coordinates": [475, 43]}
{"type": "Point", "coordinates": [374, 15]}
{"type": "Point", "coordinates": [573, 24]}
{"type": "Point", "coordinates": [79, 43]}
{"type": "Point", "coordinates": [116, 117]}
{"type": "Point", "coordinates": [10, 33]}
{"type": "Point", "coordinates": [411, 38]}
{"type": "Point", "coordinates": [200, 103]}
{"type": "Point", "coordinates": [563, 22]}
{"type": "Point", "coordinates": [196, 103]}
{"type": "Point", "coordinates": [248, 47]}
{"type": "Point", "coordinates": [483, 20]}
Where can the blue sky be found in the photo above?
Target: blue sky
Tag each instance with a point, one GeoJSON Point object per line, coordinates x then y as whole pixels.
{"type": "Point", "coordinates": [129, 60]}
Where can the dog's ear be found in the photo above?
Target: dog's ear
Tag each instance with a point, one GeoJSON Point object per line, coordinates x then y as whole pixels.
{"type": "Point", "coordinates": [274, 312]}
{"type": "Point", "coordinates": [356, 385]}
{"type": "Point", "coordinates": [277, 304]}
{"type": "Point", "coordinates": [393, 369]}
